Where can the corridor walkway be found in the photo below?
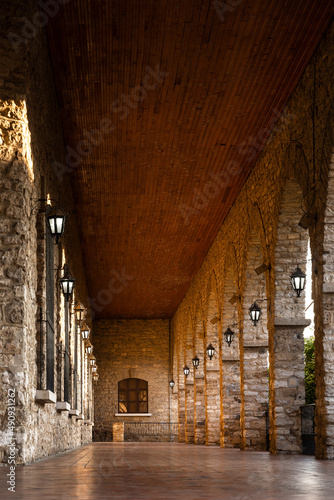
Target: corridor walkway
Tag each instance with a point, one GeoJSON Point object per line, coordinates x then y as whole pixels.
{"type": "Point", "coordinates": [171, 470]}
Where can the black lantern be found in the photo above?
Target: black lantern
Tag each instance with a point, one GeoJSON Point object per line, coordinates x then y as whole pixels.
{"type": "Point", "coordinates": [96, 377]}
{"type": "Point", "coordinates": [186, 371]}
{"type": "Point", "coordinates": [255, 313]}
{"type": "Point", "coordinates": [94, 369]}
{"type": "Point", "coordinates": [79, 312]}
{"type": "Point", "coordinates": [67, 283]}
{"type": "Point", "coordinates": [56, 222]}
{"type": "Point", "coordinates": [92, 361]}
{"type": "Point", "coordinates": [229, 334]}
{"type": "Point", "coordinates": [195, 362]}
{"type": "Point", "coordinates": [298, 279]}
{"type": "Point", "coordinates": [89, 348]}
{"type": "Point", "coordinates": [210, 351]}
{"type": "Point", "coordinates": [85, 332]}
{"type": "Point", "coordinates": [171, 383]}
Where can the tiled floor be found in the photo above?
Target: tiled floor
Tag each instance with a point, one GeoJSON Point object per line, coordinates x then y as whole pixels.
{"type": "Point", "coordinates": [170, 470]}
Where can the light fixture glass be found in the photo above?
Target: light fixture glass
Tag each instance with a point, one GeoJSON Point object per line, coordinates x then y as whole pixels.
{"type": "Point", "coordinates": [67, 283]}
{"type": "Point", "coordinates": [171, 383]}
{"type": "Point", "coordinates": [210, 351]}
{"type": "Point", "coordinates": [56, 221]}
{"type": "Point", "coordinates": [298, 280]}
{"type": "Point", "coordinates": [255, 313]}
{"type": "Point", "coordinates": [95, 377]}
{"type": "Point", "coordinates": [92, 361]}
{"type": "Point", "coordinates": [195, 362]}
{"type": "Point", "coordinates": [94, 369]}
{"type": "Point", "coordinates": [186, 371]}
{"type": "Point", "coordinates": [229, 334]}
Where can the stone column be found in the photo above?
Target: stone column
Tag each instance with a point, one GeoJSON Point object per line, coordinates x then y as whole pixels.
{"type": "Point", "coordinates": [181, 393]}
{"type": "Point", "coordinates": [212, 404]}
{"type": "Point", "coordinates": [289, 382]}
{"type": "Point", "coordinates": [189, 391]}
{"type": "Point", "coordinates": [200, 408]}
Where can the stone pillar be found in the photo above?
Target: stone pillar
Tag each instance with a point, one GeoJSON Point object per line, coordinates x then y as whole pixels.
{"type": "Point", "coordinates": [289, 382]}
{"type": "Point", "coordinates": [255, 395]}
{"type": "Point", "coordinates": [189, 391]}
{"type": "Point", "coordinates": [231, 399]}
{"type": "Point", "coordinates": [199, 409]}
{"type": "Point", "coordinates": [118, 432]}
{"type": "Point", "coordinates": [181, 422]}
{"type": "Point", "coordinates": [212, 404]}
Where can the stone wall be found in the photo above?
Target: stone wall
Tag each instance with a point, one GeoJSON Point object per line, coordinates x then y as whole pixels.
{"type": "Point", "coordinates": [31, 139]}
{"type": "Point", "coordinates": [289, 179]}
{"type": "Point", "coordinates": [130, 349]}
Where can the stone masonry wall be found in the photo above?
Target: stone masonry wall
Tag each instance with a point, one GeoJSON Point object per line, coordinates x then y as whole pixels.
{"type": "Point", "coordinates": [130, 349]}
{"type": "Point", "coordinates": [298, 153]}
{"type": "Point", "coordinates": [31, 139]}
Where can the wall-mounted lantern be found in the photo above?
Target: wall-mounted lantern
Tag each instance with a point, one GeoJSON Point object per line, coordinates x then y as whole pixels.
{"type": "Point", "coordinates": [67, 283]}
{"type": "Point", "coordinates": [85, 331]}
{"type": "Point", "coordinates": [89, 348]}
{"type": "Point", "coordinates": [80, 311]}
{"type": "Point", "coordinates": [56, 221]}
{"type": "Point", "coordinates": [210, 350]}
{"type": "Point", "coordinates": [195, 362]}
{"type": "Point", "coordinates": [229, 334]}
{"type": "Point", "coordinates": [94, 369]}
{"type": "Point", "coordinates": [186, 371]}
{"type": "Point", "coordinates": [92, 361]}
{"type": "Point", "coordinates": [171, 383]}
{"type": "Point", "coordinates": [255, 313]}
{"type": "Point", "coordinates": [298, 279]}
{"type": "Point", "coordinates": [95, 377]}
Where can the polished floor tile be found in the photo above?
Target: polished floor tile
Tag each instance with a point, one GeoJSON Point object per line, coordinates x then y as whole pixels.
{"type": "Point", "coordinates": [160, 471]}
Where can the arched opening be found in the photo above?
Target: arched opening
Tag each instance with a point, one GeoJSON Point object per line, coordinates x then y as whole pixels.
{"type": "Point", "coordinates": [200, 417]}
{"type": "Point", "coordinates": [231, 355]}
{"type": "Point", "coordinates": [132, 396]}
{"type": "Point", "coordinates": [255, 351]}
{"type": "Point", "coordinates": [287, 369]}
{"type": "Point", "coordinates": [213, 368]}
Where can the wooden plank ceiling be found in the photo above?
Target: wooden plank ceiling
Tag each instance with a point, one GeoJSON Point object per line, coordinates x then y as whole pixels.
{"type": "Point", "coordinates": [228, 74]}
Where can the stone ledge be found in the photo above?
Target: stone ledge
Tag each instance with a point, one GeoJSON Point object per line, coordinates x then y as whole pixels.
{"type": "Point", "coordinates": [212, 369]}
{"type": "Point", "coordinates": [63, 406]}
{"type": "Point", "coordinates": [260, 343]}
{"type": "Point", "coordinates": [74, 413]}
{"type": "Point", "coordinates": [133, 414]}
{"type": "Point", "coordinates": [230, 358]}
{"type": "Point", "coordinates": [80, 416]}
{"type": "Point", "coordinates": [87, 422]}
{"type": "Point", "coordinates": [190, 382]}
{"type": "Point", "coordinates": [199, 377]}
{"type": "Point", "coordinates": [328, 288]}
{"type": "Point", "coordinates": [292, 322]}
{"type": "Point", "coordinates": [45, 396]}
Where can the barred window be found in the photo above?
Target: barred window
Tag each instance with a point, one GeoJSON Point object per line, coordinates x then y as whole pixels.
{"type": "Point", "coordinates": [132, 396]}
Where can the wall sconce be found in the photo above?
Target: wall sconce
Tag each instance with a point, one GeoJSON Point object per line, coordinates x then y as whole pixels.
{"type": "Point", "coordinates": [80, 313]}
{"type": "Point", "coordinates": [229, 334]}
{"type": "Point", "coordinates": [255, 313]}
{"type": "Point", "coordinates": [92, 361]}
{"type": "Point", "coordinates": [89, 348]}
{"type": "Point", "coordinates": [85, 332]}
{"type": "Point", "coordinates": [96, 377]}
{"type": "Point", "coordinates": [186, 371]}
{"type": "Point", "coordinates": [66, 283]}
{"type": "Point", "coordinates": [94, 369]}
{"type": "Point", "coordinates": [56, 219]}
{"type": "Point", "coordinates": [298, 279]}
{"type": "Point", "coordinates": [171, 383]}
{"type": "Point", "coordinates": [210, 351]}
{"type": "Point", "coordinates": [195, 362]}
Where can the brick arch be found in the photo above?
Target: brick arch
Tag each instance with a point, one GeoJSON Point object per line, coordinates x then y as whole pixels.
{"type": "Point", "coordinates": [230, 355]}
{"type": "Point", "coordinates": [254, 379]}
{"type": "Point", "coordinates": [199, 387]}
{"type": "Point", "coordinates": [213, 366]}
